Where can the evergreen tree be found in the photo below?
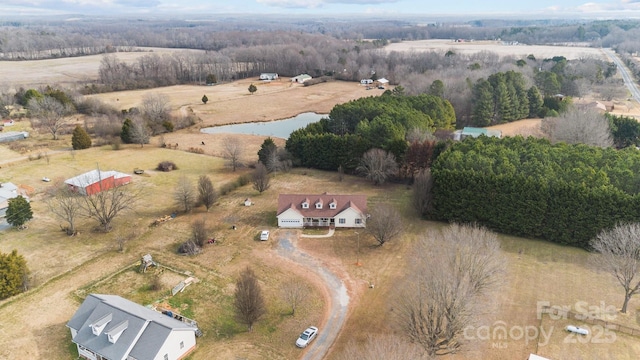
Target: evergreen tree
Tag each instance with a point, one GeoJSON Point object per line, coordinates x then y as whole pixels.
{"type": "Point", "coordinates": [436, 88]}
{"type": "Point", "coordinates": [19, 211]}
{"type": "Point", "coordinates": [126, 132]}
{"type": "Point", "coordinates": [13, 274]}
{"type": "Point", "coordinates": [482, 103]}
{"type": "Point", "coordinates": [205, 99]}
{"type": "Point", "coordinates": [80, 139]}
{"type": "Point", "coordinates": [252, 89]}
{"type": "Point", "coordinates": [535, 102]}
{"type": "Point", "coordinates": [267, 150]}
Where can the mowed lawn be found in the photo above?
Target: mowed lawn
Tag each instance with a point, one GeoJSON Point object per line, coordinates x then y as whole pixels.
{"type": "Point", "coordinates": [66, 268]}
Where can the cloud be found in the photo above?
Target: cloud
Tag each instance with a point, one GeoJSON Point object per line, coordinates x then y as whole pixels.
{"type": "Point", "coordinates": [310, 4]}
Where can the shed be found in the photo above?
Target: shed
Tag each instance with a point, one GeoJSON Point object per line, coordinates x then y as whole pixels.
{"type": "Point", "coordinates": [8, 136]}
{"type": "Point", "coordinates": [95, 181]}
{"type": "Point", "coordinates": [301, 78]}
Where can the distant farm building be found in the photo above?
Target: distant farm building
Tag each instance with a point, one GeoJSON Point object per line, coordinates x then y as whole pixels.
{"type": "Point", "coordinates": [8, 136]}
{"type": "Point", "coordinates": [269, 76]}
{"type": "Point", "coordinates": [366, 82]}
{"type": "Point", "coordinates": [95, 181]}
{"type": "Point", "coordinates": [301, 78]}
{"type": "Point", "coordinates": [382, 82]}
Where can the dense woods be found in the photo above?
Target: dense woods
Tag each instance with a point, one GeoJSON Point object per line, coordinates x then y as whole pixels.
{"type": "Point", "coordinates": [374, 122]}
{"type": "Point", "coordinates": [531, 188]}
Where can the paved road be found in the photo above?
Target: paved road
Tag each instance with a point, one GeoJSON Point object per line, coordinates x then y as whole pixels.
{"type": "Point", "coordinates": [338, 305]}
{"type": "Point", "coordinates": [626, 76]}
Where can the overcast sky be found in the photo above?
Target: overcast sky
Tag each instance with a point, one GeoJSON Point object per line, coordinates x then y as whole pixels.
{"type": "Point", "coordinates": [619, 8]}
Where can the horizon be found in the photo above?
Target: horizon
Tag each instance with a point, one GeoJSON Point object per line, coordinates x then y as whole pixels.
{"type": "Point", "coordinates": [464, 9]}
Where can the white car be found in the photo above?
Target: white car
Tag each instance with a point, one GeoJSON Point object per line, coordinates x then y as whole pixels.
{"type": "Point", "coordinates": [306, 337]}
{"type": "Point", "coordinates": [264, 235]}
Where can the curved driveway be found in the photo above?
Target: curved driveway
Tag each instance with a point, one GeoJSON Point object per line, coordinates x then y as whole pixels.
{"type": "Point", "coordinates": [339, 299]}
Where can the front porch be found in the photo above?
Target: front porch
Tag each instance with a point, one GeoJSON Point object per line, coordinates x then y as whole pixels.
{"type": "Point", "coordinates": [318, 222]}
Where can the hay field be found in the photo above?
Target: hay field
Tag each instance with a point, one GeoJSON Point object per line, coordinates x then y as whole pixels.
{"type": "Point", "coordinates": [65, 71]}
{"type": "Point", "coordinates": [539, 51]}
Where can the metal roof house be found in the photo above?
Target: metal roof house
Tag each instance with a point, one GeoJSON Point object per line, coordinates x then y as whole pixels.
{"type": "Point", "coordinates": [301, 210]}
{"type": "Point", "coordinates": [475, 132]}
{"type": "Point", "coordinates": [8, 136]}
{"type": "Point", "coordinates": [8, 191]}
{"type": "Point", "coordinates": [301, 78]}
{"type": "Point", "coordinates": [109, 327]}
{"type": "Point", "coordinates": [95, 181]}
{"type": "Point", "coordinates": [269, 76]}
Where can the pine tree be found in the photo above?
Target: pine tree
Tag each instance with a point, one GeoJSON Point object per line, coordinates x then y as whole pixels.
{"type": "Point", "coordinates": [252, 89]}
{"type": "Point", "coordinates": [125, 133]}
{"type": "Point", "coordinates": [535, 102]}
{"type": "Point", "coordinates": [482, 103]}
{"type": "Point", "coordinates": [205, 99]}
{"type": "Point", "coordinates": [266, 150]}
{"type": "Point", "coordinates": [13, 274]}
{"type": "Point", "coordinates": [19, 211]}
{"type": "Point", "coordinates": [80, 139]}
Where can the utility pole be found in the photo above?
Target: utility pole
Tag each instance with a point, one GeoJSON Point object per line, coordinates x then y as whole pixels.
{"type": "Point", "coordinates": [358, 250]}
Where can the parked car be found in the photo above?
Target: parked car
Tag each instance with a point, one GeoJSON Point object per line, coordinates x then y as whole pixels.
{"type": "Point", "coordinates": [264, 235]}
{"type": "Point", "coordinates": [306, 337]}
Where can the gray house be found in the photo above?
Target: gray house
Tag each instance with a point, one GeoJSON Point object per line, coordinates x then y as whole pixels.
{"type": "Point", "coordinates": [109, 327]}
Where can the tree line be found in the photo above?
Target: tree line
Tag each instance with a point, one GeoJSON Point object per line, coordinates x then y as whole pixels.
{"type": "Point", "coordinates": [532, 188]}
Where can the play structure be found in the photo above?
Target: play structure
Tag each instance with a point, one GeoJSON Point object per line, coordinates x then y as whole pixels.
{"type": "Point", "coordinates": [146, 262]}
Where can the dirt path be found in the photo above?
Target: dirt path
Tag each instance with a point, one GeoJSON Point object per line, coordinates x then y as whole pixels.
{"type": "Point", "coordinates": [337, 297]}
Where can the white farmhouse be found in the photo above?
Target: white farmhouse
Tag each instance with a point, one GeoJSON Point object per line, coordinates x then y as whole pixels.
{"type": "Point", "coordinates": [324, 210]}
{"type": "Point", "coordinates": [108, 327]}
{"type": "Point", "coordinates": [268, 76]}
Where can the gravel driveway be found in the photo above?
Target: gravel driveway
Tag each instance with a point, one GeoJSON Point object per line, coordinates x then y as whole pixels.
{"type": "Point", "coordinates": [338, 301]}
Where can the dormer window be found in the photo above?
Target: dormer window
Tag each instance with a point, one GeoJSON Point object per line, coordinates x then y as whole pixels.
{"type": "Point", "coordinates": [305, 205]}
{"type": "Point", "coordinates": [99, 325]}
{"type": "Point", "coordinates": [319, 204]}
{"type": "Point", "coordinates": [333, 204]}
{"type": "Point", "coordinates": [117, 330]}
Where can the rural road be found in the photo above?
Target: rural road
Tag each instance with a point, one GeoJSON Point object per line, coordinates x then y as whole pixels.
{"type": "Point", "coordinates": [628, 79]}
{"type": "Point", "coordinates": [339, 299]}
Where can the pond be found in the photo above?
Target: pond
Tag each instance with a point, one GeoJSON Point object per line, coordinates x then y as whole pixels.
{"type": "Point", "coordinates": [279, 128]}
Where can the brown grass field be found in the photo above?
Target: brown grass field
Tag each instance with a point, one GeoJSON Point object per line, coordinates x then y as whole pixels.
{"type": "Point", "coordinates": [66, 268]}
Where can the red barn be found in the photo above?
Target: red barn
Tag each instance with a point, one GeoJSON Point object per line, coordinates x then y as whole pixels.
{"type": "Point", "coordinates": [95, 181]}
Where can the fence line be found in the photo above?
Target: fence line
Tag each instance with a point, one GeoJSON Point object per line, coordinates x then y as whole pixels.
{"type": "Point", "coordinates": [568, 314]}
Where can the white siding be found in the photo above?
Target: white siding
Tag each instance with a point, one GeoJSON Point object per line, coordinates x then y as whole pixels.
{"type": "Point", "coordinates": [290, 219]}
{"type": "Point", "coordinates": [171, 345]}
{"type": "Point", "coordinates": [350, 217]}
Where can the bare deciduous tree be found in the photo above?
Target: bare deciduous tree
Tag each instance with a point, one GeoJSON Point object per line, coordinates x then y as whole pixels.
{"type": "Point", "coordinates": [199, 232]}
{"type": "Point", "coordinates": [66, 205]}
{"type": "Point", "coordinates": [619, 250]}
{"type": "Point", "coordinates": [383, 347]}
{"type": "Point", "coordinates": [579, 125]}
{"type": "Point", "coordinates": [294, 292]}
{"type": "Point", "coordinates": [422, 192]}
{"type": "Point", "coordinates": [106, 205]}
{"type": "Point", "coordinates": [248, 300]}
{"type": "Point", "coordinates": [49, 114]}
{"type": "Point", "coordinates": [156, 110]}
{"type": "Point", "coordinates": [384, 224]}
{"type": "Point", "coordinates": [232, 151]}
{"type": "Point", "coordinates": [207, 194]}
{"type": "Point", "coordinates": [449, 272]}
{"type": "Point", "coordinates": [377, 165]}
{"type": "Point", "coordinates": [140, 132]}
{"type": "Point", "coordinates": [260, 178]}
{"type": "Point", "coordinates": [184, 194]}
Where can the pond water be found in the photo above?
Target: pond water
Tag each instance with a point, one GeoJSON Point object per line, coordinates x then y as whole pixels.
{"type": "Point", "coordinates": [279, 128]}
